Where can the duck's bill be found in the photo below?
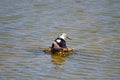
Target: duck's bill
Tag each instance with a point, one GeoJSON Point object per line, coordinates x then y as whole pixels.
{"type": "Point", "coordinates": [69, 38]}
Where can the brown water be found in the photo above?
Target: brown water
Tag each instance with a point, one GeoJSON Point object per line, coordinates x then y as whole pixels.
{"type": "Point", "coordinates": [28, 26]}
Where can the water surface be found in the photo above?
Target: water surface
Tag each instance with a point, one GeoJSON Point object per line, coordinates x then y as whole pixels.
{"type": "Point", "coordinates": [29, 26]}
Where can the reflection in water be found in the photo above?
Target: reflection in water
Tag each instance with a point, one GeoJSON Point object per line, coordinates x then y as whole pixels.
{"type": "Point", "coordinates": [58, 60]}
{"type": "Point", "coordinates": [59, 57]}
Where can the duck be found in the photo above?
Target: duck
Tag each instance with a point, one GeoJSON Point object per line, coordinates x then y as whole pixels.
{"type": "Point", "coordinates": [59, 45]}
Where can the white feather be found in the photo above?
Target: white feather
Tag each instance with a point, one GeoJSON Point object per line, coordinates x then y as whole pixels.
{"type": "Point", "coordinates": [58, 40]}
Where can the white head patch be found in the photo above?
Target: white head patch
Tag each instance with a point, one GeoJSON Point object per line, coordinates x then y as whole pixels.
{"type": "Point", "coordinates": [63, 36]}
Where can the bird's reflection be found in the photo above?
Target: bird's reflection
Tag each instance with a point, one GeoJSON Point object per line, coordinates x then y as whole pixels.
{"type": "Point", "coordinates": [60, 57]}
{"type": "Point", "coordinates": [58, 60]}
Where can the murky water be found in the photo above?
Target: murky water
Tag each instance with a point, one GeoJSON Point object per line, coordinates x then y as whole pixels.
{"type": "Point", "coordinates": [28, 26]}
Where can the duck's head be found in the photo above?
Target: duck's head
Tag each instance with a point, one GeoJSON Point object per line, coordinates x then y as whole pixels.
{"type": "Point", "coordinates": [64, 36]}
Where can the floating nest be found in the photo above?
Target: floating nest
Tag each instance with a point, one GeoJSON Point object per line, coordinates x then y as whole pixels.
{"type": "Point", "coordinates": [62, 53]}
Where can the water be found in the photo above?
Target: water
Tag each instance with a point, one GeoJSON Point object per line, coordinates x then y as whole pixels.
{"type": "Point", "coordinates": [29, 26]}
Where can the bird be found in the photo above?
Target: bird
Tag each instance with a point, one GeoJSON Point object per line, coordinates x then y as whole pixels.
{"type": "Point", "coordinates": [59, 44]}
